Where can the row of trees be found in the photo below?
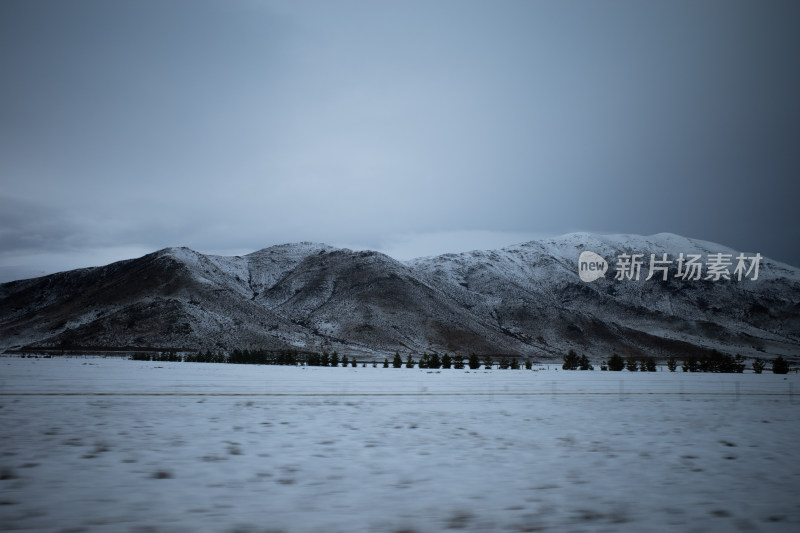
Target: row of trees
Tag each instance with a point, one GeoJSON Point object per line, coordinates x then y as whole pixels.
{"type": "Point", "coordinates": [713, 361]}
{"type": "Point", "coordinates": [459, 362]}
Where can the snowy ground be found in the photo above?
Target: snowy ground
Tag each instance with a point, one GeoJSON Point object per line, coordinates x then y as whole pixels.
{"type": "Point", "coordinates": [111, 445]}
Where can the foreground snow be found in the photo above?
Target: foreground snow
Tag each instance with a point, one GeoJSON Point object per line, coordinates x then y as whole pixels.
{"type": "Point", "coordinates": [110, 445]}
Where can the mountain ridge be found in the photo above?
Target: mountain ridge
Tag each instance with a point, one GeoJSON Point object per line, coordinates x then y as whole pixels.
{"type": "Point", "coordinates": [523, 300]}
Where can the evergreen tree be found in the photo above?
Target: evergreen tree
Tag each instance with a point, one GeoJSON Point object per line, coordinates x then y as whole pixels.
{"type": "Point", "coordinates": [446, 361]}
{"type": "Point", "coordinates": [571, 361]}
{"type": "Point", "coordinates": [584, 363]}
{"type": "Point", "coordinates": [458, 362]}
{"type": "Point", "coordinates": [514, 364]}
{"type": "Point", "coordinates": [410, 362]}
{"type": "Point", "coordinates": [474, 362]}
{"type": "Point", "coordinates": [631, 364]}
{"type": "Point", "coordinates": [604, 366]}
{"type": "Point", "coordinates": [385, 362]}
{"type": "Point", "coordinates": [334, 359]}
{"type": "Point", "coordinates": [423, 361]}
{"type": "Point", "coordinates": [650, 365]}
{"type": "Point", "coordinates": [397, 362]}
{"type": "Point", "coordinates": [345, 360]}
{"type": "Point", "coordinates": [354, 363]}
{"type": "Point", "coordinates": [434, 361]}
{"type": "Point", "coordinates": [672, 363]}
{"type": "Point", "coordinates": [616, 363]}
{"type": "Point", "coordinates": [758, 365]}
{"type": "Point", "coordinates": [504, 364]}
{"type": "Point", "coordinates": [488, 361]}
{"type": "Point", "coordinates": [780, 365]}
{"type": "Point", "coordinates": [528, 364]}
{"type": "Point", "coordinates": [738, 364]}
{"type": "Point", "coordinates": [690, 364]}
{"type": "Point", "coordinates": [325, 360]}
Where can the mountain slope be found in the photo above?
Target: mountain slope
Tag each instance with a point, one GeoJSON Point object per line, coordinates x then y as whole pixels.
{"type": "Point", "coordinates": [525, 300]}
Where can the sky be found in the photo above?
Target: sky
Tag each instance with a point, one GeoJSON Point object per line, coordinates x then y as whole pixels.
{"type": "Point", "coordinates": [408, 127]}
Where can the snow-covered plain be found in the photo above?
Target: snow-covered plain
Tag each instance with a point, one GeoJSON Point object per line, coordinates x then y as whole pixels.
{"type": "Point", "coordinates": [93, 444]}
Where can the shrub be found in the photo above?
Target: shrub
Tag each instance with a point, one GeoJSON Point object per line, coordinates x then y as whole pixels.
{"type": "Point", "coordinates": [616, 363]}
{"type": "Point", "coordinates": [571, 361]}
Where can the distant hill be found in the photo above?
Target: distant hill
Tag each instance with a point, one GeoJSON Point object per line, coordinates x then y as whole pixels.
{"type": "Point", "coordinates": [525, 300]}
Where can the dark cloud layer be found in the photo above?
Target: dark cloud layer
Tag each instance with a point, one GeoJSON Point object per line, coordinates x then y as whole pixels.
{"type": "Point", "coordinates": [230, 126]}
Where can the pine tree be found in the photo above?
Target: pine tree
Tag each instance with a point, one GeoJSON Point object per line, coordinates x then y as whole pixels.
{"type": "Point", "coordinates": [458, 362]}
{"type": "Point", "coordinates": [345, 360]}
{"type": "Point", "coordinates": [423, 361]}
{"type": "Point", "coordinates": [385, 362]}
{"type": "Point", "coordinates": [780, 365]}
{"type": "Point", "coordinates": [528, 364]}
{"type": "Point", "coordinates": [504, 364]}
{"type": "Point", "coordinates": [446, 361]}
{"type": "Point", "coordinates": [650, 365]}
{"type": "Point", "coordinates": [758, 365]}
{"type": "Point", "coordinates": [571, 361]}
{"type": "Point", "coordinates": [584, 363]}
{"type": "Point", "coordinates": [434, 361]}
{"type": "Point", "coordinates": [616, 363]}
{"type": "Point", "coordinates": [335, 359]}
{"type": "Point", "coordinates": [631, 364]}
{"type": "Point", "coordinates": [397, 362]}
{"type": "Point", "coordinates": [410, 362]}
{"type": "Point", "coordinates": [514, 364]}
{"type": "Point", "coordinates": [488, 361]}
{"type": "Point", "coordinates": [474, 362]}
{"type": "Point", "coordinates": [672, 363]}
{"type": "Point", "coordinates": [690, 364]}
{"type": "Point", "coordinates": [325, 359]}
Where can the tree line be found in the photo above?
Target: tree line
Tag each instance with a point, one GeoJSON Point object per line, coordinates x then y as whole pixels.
{"type": "Point", "coordinates": [713, 361]}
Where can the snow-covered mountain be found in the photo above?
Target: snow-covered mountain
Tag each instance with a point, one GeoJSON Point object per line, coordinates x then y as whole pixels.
{"type": "Point", "coordinates": [526, 300]}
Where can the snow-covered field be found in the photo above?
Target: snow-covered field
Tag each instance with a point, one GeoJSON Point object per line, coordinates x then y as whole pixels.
{"type": "Point", "coordinates": [112, 445]}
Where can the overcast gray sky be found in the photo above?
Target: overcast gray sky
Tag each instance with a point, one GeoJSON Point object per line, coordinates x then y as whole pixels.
{"type": "Point", "coordinates": [408, 127]}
